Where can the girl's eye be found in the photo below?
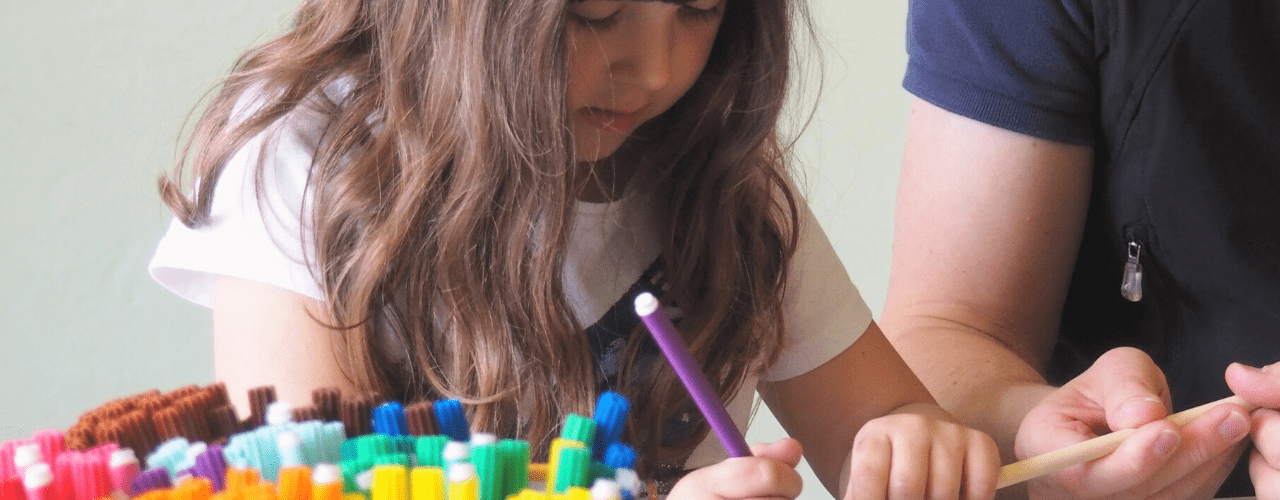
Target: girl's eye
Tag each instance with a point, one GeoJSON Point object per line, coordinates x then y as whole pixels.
{"type": "Point", "coordinates": [596, 14]}
{"type": "Point", "coordinates": [703, 10]}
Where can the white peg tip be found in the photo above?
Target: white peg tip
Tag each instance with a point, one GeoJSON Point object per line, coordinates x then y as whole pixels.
{"type": "Point", "coordinates": [326, 473]}
{"type": "Point", "coordinates": [279, 413]}
{"type": "Point", "coordinates": [646, 304]}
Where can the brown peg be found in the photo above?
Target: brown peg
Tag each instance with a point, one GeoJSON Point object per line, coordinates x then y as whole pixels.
{"type": "Point", "coordinates": [259, 399]}
{"type": "Point", "coordinates": [195, 413]}
{"type": "Point", "coordinates": [142, 430]}
{"type": "Point", "coordinates": [218, 394]}
{"type": "Point", "coordinates": [420, 418]}
{"type": "Point", "coordinates": [306, 413]}
{"type": "Point", "coordinates": [328, 401]}
{"type": "Point", "coordinates": [223, 422]}
{"type": "Point", "coordinates": [357, 415]}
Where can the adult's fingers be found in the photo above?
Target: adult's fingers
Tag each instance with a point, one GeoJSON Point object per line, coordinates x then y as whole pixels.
{"type": "Point", "coordinates": [1146, 463]}
{"type": "Point", "coordinates": [1202, 482]}
{"type": "Point", "coordinates": [1264, 463]}
{"type": "Point", "coordinates": [1129, 467]}
{"type": "Point", "coordinates": [1132, 389]}
{"type": "Point", "coordinates": [1260, 386]}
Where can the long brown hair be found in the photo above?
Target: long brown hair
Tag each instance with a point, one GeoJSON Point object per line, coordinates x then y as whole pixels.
{"type": "Point", "coordinates": [443, 199]}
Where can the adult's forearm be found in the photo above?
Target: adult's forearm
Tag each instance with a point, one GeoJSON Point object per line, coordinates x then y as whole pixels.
{"type": "Point", "coordinates": [979, 380]}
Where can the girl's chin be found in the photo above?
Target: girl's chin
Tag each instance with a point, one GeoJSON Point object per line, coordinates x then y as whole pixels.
{"type": "Point", "coordinates": [597, 150]}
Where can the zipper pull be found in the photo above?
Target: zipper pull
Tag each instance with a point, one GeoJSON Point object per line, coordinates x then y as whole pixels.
{"type": "Point", "coordinates": [1131, 286]}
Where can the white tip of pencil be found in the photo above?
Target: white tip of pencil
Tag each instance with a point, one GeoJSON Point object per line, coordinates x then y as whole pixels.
{"type": "Point", "coordinates": [646, 304]}
{"type": "Point", "coordinates": [326, 473]}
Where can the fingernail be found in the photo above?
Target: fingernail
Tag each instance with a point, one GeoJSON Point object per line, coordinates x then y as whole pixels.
{"type": "Point", "coordinates": [1166, 443]}
{"type": "Point", "coordinates": [1234, 427]}
{"type": "Point", "coordinates": [1140, 399]}
{"type": "Point", "coordinates": [1247, 368]}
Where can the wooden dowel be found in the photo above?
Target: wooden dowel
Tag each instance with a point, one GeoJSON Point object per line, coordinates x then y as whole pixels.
{"type": "Point", "coordinates": [1095, 448]}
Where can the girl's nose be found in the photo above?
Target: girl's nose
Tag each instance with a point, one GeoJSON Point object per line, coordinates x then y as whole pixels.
{"type": "Point", "coordinates": [648, 62]}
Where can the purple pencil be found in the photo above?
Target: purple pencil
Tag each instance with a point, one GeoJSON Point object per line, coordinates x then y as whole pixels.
{"type": "Point", "coordinates": [677, 353]}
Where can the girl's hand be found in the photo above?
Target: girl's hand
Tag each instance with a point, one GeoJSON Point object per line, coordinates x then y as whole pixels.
{"type": "Point", "coordinates": [769, 474]}
{"type": "Point", "coordinates": [919, 453]}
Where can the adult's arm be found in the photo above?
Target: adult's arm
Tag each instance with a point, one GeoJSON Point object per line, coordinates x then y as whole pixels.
{"type": "Point", "coordinates": [986, 230]}
{"type": "Point", "coordinates": [988, 223]}
{"type": "Point", "coordinates": [266, 335]}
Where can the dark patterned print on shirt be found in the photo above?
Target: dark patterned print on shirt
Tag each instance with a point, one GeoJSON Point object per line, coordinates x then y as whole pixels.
{"type": "Point", "coordinates": [608, 340]}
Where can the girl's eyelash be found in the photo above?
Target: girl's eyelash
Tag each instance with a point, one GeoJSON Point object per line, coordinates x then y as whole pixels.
{"type": "Point", "coordinates": [701, 14]}
{"type": "Point", "coordinates": [690, 12]}
{"type": "Point", "coordinates": [602, 24]}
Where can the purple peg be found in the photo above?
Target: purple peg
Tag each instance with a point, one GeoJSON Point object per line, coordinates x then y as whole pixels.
{"type": "Point", "coordinates": [677, 353]}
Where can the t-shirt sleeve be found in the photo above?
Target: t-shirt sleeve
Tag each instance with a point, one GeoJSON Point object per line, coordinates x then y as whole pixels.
{"type": "Point", "coordinates": [256, 231]}
{"type": "Point", "coordinates": [1024, 65]}
{"type": "Point", "coordinates": [825, 314]}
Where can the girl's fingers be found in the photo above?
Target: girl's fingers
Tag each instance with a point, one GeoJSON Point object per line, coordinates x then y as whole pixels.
{"type": "Point", "coordinates": [981, 467]}
{"type": "Point", "coordinates": [869, 468]}
{"type": "Point", "coordinates": [740, 478]}
{"type": "Point", "coordinates": [787, 451]}
{"type": "Point", "coordinates": [769, 474]}
{"type": "Point", "coordinates": [912, 457]}
{"type": "Point", "coordinates": [945, 473]}
{"type": "Point", "coordinates": [909, 465]}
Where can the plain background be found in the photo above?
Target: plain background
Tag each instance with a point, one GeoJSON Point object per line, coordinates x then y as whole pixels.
{"type": "Point", "coordinates": [94, 96]}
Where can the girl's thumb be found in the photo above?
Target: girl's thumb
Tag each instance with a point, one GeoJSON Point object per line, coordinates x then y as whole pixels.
{"type": "Point", "coordinates": [784, 450]}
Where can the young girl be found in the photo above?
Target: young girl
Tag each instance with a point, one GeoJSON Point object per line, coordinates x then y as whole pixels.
{"type": "Point", "coordinates": [461, 199]}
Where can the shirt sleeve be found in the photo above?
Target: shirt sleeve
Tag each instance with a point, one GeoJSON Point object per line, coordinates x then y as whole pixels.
{"type": "Point", "coordinates": [1024, 65]}
{"type": "Point", "coordinates": [258, 228]}
{"type": "Point", "coordinates": [825, 314]}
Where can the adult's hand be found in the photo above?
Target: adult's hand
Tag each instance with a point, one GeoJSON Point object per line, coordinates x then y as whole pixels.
{"type": "Point", "coordinates": [1125, 390]}
{"type": "Point", "coordinates": [1262, 388]}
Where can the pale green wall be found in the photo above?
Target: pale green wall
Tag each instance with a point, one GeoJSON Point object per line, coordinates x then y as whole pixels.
{"type": "Point", "coordinates": [92, 96]}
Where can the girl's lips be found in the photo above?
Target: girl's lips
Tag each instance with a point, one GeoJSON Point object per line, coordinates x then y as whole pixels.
{"type": "Point", "coordinates": [612, 121]}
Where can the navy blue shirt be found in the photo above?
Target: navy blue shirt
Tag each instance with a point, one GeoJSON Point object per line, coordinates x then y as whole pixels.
{"type": "Point", "coordinates": [1180, 100]}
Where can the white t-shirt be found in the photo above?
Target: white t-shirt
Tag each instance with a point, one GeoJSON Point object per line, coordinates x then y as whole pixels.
{"type": "Point", "coordinates": [612, 244]}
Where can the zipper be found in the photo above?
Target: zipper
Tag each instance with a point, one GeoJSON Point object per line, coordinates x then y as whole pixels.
{"type": "Point", "coordinates": [1131, 284]}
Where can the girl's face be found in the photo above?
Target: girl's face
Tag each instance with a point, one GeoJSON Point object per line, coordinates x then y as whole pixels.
{"type": "Point", "coordinates": [629, 61]}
